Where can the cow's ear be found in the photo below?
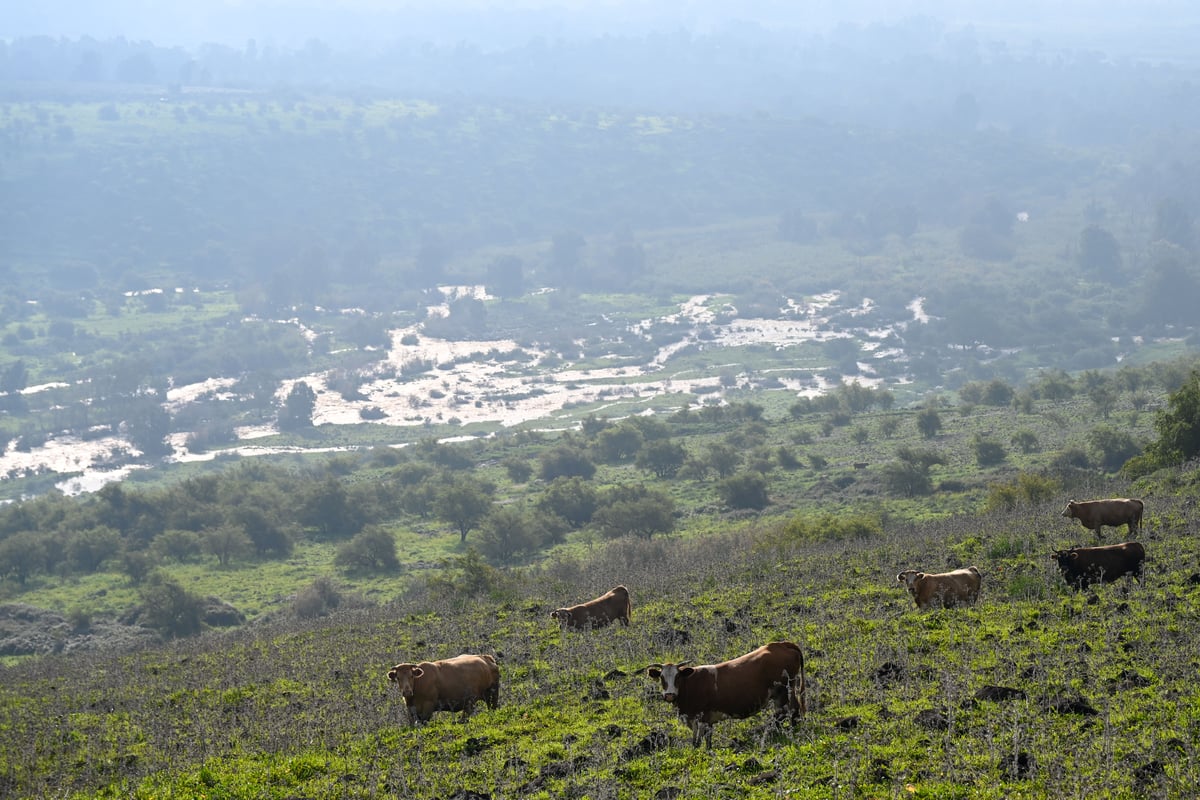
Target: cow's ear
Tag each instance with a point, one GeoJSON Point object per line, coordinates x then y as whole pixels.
{"type": "Point", "coordinates": [653, 672]}
{"type": "Point", "coordinates": [417, 672]}
{"type": "Point", "coordinates": [1072, 556]}
{"type": "Point", "coordinates": [685, 671]}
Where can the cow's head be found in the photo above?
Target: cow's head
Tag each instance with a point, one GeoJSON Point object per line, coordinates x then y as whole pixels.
{"type": "Point", "coordinates": [1069, 511]}
{"type": "Point", "coordinates": [562, 615]}
{"type": "Point", "coordinates": [909, 577]}
{"type": "Point", "coordinates": [405, 676]}
{"type": "Point", "coordinates": [670, 676]}
{"type": "Point", "coordinates": [1065, 558]}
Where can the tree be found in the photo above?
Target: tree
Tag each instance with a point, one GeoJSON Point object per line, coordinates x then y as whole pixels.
{"type": "Point", "coordinates": [908, 475]}
{"type": "Point", "coordinates": [296, 413]}
{"type": "Point", "coordinates": [641, 515]}
{"type": "Point", "coordinates": [1178, 427]}
{"type": "Point", "coordinates": [265, 532]}
{"type": "Point", "coordinates": [88, 549]}
{"type": "Point", "coordinates": [565, 250]}
{"type": "Point", "coordinates": [178, 545]}
{"type": "Point", "coordinates": [507, 533]}
{"type": "Point", "coordinates": [618, 443]}
{"type": "Point", "coordinates": [518, 469]}
{"type": "Point", "coordinates": [168, 607]}
{"type": "Point", "coordinates": [1025, 440]}
{"type": "Point", "coordinates": [147, 424]}
{"type": "Point", "coordinates": [724, 458]}
{"type": "Point", "coordinates": [371, 550]}
{"type": "Point", "coordinates": [1175, 223]}
{"type": "Point", "coordinates": [1099, 253]}
{"type": "Point", "coordinates": [929, 422]}
{"type": "Point", "coordinates": [14, 377]}
{"type": "Point", "coordinates": [572, 499]}
{"type": "Point", "coordinates": [988, 452]}
{"type": "Point", "coordinates": [505, 277]}
{"type": "Point", "coordinates": [431, 258]}
{"type": "Point", "coordinates": [226, 542]}
{"type": "Point", "coordinates": [463, 503]}
{"type": "Point", "coordinates": [662, 457]}
{"type": "Point", "coordinates": [1171, 287]}
{"type": "Point", "coordinates": [326, 508]}
{"type": "Point", "coordinates": [21, 555]}
{"type": "Point", "coordinates": [744, 490]}
{"type": "Point", "coordinates": [566, 461]}
{"type": "Point", "coordinates": [1114, 447]}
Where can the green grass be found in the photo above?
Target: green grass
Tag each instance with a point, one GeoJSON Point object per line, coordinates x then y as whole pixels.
{"type": "Point", "coordinates": [302, 709]}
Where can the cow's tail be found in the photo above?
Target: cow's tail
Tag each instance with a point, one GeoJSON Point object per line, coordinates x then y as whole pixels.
{"type": "Point", "coordinates": [802, 693]}
{"type": "Point", "coordinates": [1137, 516]}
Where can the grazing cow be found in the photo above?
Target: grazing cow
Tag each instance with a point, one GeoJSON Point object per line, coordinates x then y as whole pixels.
{"type": "Point", "coordinates": [942, 589]}
{"type": "Point", "coordinates": [735, 689]}
{"type": "Point", "coordinates": [613, 604]}
{"type": "Point", "coordinates": [1095, 514]}
{"type": "Point", "coordinates": [452, 684]}
{"type": "Point", "coordinates": [1081, 566]}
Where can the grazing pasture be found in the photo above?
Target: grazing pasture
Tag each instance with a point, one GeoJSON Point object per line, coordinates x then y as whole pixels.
{"type": "Point", "coordinates": [1037, 690]}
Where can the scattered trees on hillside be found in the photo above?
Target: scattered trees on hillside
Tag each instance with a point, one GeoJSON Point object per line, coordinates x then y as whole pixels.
{"type": "Point", "coordinates": [1178, 428]}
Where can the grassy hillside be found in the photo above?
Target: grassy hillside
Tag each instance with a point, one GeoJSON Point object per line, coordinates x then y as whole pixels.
{"type": "Point", "coordinates": [303, 709]}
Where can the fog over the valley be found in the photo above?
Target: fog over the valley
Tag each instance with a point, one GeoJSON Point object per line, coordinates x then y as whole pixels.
{"type": "Point", "coordinates": [1136, 28]}
{"type": "Point", "coordinates": [253, 195]}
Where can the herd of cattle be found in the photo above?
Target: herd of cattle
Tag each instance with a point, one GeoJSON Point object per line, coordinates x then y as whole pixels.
{"type": "Point", "coordinates": [774, 673]}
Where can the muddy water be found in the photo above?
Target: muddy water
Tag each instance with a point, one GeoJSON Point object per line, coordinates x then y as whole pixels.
{"type": "Point", "coordinates": [486, 381]}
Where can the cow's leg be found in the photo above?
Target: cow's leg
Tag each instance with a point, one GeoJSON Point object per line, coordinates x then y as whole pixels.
{"type": "Point", "coordinates": [708, 732]}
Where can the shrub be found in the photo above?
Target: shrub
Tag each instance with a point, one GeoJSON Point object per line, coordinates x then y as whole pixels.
{"type": "Point", "coordinates": [744, 490]}
{"type": "Point", "coordinates": [372, 550]}
{"type": "Point", "coordinates": [169, 608]}
{"type": "Point", "coordinates": [317, 599]}
{"type": "Point", "coordinates": [988, 452]}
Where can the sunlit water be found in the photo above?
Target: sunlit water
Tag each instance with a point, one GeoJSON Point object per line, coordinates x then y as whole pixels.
{"type": "Point", "coordinates": [508, 388]}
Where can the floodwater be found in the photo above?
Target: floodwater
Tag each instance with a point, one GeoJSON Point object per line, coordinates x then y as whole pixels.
{"type": "Point", "coordinates": [485, 381]}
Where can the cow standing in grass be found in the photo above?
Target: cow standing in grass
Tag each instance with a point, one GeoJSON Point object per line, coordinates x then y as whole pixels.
{"type": "Point", "coordinates": [1117, 511]}
{"type": "Point", "coordinates": [452, 684]}
{"type": "Point", "coordinates": [942, 589]}
{"type": "Point", "coordinates": [736, 689]}
{"type": "Point", "coordinates": [612, 605]}
{"type": "Point", "coordinates": [1082, 566]}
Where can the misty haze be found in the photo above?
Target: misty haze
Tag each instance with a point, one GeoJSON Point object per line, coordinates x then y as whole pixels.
{"type": "Point", "coordinates": [326, 311]}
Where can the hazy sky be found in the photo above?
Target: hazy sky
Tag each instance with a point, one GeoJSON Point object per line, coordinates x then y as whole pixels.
{"type": "Point", "coordinates": [188, 23]}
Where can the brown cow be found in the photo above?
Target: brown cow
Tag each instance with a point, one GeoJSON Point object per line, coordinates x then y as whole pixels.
{"type": "Point", "coordinates": [942, 589]}
{"type": "Point", "coordinates": [613, 604]}
{"type": "Point", "coordinates": [1081, 566]}
{"type": "Point", "coordinates": [1095, 514]}
{"type": "Point", "coordinates": [452, 684]}
{"type": "Point", "coordinates": [735, 689]}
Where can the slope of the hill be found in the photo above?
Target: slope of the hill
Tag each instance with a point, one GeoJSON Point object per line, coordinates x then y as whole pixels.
{"type": "Point", "coordinates": [1104, 679]}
